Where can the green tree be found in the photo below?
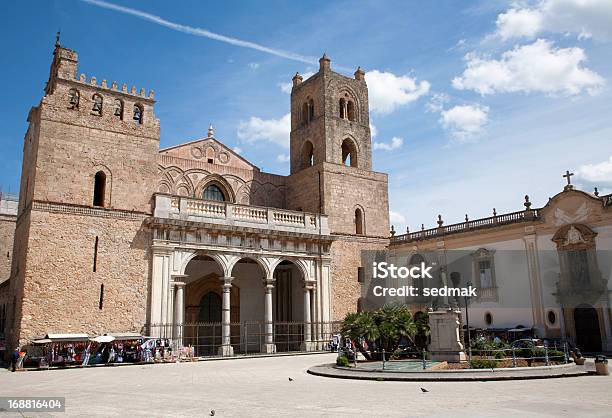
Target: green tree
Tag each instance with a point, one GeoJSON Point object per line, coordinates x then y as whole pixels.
{"type": "Point", "coordinates": [384, 328]}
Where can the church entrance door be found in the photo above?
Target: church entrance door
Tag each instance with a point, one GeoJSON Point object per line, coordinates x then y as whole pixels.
{"type": "Point", "coordinates": [586, 321]}
{"type": "Point", "coordinates": [209, 317]}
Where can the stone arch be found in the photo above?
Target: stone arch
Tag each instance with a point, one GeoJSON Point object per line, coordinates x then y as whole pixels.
{"type": "Point", "coordinates": [108, 183]}
{"type": "Point", "coordinates": [350, 152]}
{"type": "Point", "coordinates": [301, 266]}
{"type": "Point", "coordinates": [262, 265]}
{"type": "Point", "coordinates": [218, 181]}
{"type": "Point", "coordinates": [222, 262]}
{"type": "Point", "coordinates": [359, 219]}
{"type": "Point", "coordinates": [164, 187]}
{"type": "Point", "coordinates": [307, 155]}
{"type": "Point", "coordinates": [349, 95]}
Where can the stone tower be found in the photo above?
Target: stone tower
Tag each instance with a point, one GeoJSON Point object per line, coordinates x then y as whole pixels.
{"type": "Point", "coordinates": [331, 172]}
{"type": "Point", "coordinates": [81, 258]}
{"type": "Point", "coordinates": [330, 120]}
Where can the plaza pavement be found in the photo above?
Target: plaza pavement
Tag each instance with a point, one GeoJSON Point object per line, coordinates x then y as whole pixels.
{"type": "Point", "coordinates": [260, 387]}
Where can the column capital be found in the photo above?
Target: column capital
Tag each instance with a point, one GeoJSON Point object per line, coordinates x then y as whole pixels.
{"type": "Point", "coordinates": [179, 284]}
{"type": "Point", "coordinates": [268, 283]}
{"type": "Point", "coordinates": [227, 281]}
{"type": "Point", "coordinates": [309, 284]}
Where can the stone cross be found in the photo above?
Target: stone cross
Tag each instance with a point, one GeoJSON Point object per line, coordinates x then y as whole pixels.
{"type": "Point", "coordinates": [568, 175]}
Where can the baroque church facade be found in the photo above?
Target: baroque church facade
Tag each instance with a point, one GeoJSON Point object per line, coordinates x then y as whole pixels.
{"type": "Point", "coordinates": [114, 234]}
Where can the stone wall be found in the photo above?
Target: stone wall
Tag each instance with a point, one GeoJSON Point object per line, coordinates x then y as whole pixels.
{"type": "Point", "coordinates": [7, 235]}
{"type": "Point", "coordinates": [346, 258]}
{"type": "Point", "coordinates": [61, 292]}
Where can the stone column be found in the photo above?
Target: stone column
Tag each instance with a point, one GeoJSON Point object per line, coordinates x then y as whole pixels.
{"type": "Point", "coordinates": [268, 346]}
{"type": "Point", "coordinates": [161, 258]}
{"type": "Point", "coordinates": [307, 343]}
{"type": "Point", "coordinates": [179, 312]}
{"type": "Point", "coordinates": [226, 348]}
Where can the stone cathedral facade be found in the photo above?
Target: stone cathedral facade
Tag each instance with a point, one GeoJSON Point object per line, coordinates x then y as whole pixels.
{"type": "Point", "coordinates": [114, 234]}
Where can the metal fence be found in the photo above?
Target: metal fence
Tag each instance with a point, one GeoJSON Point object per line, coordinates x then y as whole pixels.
{"type": "Point", "coordinates": [246, 338]}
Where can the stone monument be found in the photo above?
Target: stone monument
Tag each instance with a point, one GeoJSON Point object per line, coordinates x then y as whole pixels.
{"type": "Point", "coordinates": [445, 345]}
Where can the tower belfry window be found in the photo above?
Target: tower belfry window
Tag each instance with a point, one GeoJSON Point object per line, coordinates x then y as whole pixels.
{"type": "Point", "coordinates": [349, 153]}
{"type": "Point", "coordinates": [138, 113]}
{"type": "Point", "coordinates": [358, 221]}
{"type": "Point", "coordinates": [342, 108]}
{"type": "Point", "coordinates": [99, 188]}
{"type": "Point", "coordinates": [73, 99]}
{"type": "Point", "coordinates": [350, 110]}
{"type": "Point", "coordinates": [118, 111]}
{"type": "Point", "coordinates": [96, 109]}
{"type": "Point", "coordinates": [310, 110]}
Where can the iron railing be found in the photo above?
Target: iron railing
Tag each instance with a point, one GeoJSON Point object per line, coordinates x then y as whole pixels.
{"type": "Point", "coordinates": [205, 339]}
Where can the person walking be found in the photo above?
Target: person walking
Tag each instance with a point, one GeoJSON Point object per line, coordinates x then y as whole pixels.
{"type": "Point", "coordinates": [14, 359]}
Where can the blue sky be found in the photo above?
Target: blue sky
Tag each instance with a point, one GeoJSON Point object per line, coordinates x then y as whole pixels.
{"type": "Point", "coordinates": [474, 104]}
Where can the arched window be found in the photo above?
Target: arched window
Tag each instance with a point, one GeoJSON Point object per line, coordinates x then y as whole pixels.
{"type": "Point", "coordinates": [96, 109]}
{"type": "Point", "coordinates": [488, 319]}
{"type": "Point", "coordinates": [99, 188]}
{"type": "Point", "coordinates": [73, 99]}
{"type": "Point", "coordinates": [138, 113]}
{"type": "Point", "coordinates": [118, 109]}
{"type": "Point", "coordinates": [213, 192]}
{"type": "Point", "coordinates": [349, 153]}
{"type": "Point", "coordinates": [342, 108]}
{"type": "Point", "coordinates": [358, 221]}
{"type": "Point", "coordinates": [350, 110]}
{"type": "Point", "coordinates": [307, 157]}
{"type": "Point", "coordinates": [304, 113]}
{"type": "Point", "coordinates": [311, 110]}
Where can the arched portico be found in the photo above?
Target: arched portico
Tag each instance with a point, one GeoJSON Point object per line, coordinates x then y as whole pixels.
{"type": "Point", "coordinates": [263, 298]}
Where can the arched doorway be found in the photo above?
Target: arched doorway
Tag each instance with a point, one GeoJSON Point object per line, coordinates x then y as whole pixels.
{"type": "Point", "coordinates": [288, 307]}
{"type": "Point", "coordinates": [209, 318]}
{"type": "Point", "coordinates": [586, 322]}
{"type": "Point", "coordinates": [210, 308]}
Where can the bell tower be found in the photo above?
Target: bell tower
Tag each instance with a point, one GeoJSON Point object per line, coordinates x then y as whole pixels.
{"type": "Point", "coordinates": [330, 121]}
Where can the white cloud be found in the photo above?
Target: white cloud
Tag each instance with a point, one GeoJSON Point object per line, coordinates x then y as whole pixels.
{"type": "Point", "coordinates": [537, 67]}
{"type": "Point", "coordinates": [253, 65]}
{"type": "Point", "coordinates": [395, 143]}
{"type": "Point", "coordinates": [519, 23]}
{"type": "Point", "coordinates": [397, 218]}
{"type": "Point", "coordinates": [388, 91]}
{"type": "Point", "coordinates": [286, 86]}
{"type": "Point", "coordinates": [599, 174]}
{"type": "Point", "coordinates": [273, 130]}
{"type": "Point", "coordinates": [464, 121]}
{"type": "Point", "coordinates": [237, 150]}
{"type": "Point", "coordinates": [436, 102]}
{"type": "Point", "coordinates": [282, 158]}
{"type": "Point", "coordinates": [585, 18]}
{"type": "Point", "coordinates": [373, 130]}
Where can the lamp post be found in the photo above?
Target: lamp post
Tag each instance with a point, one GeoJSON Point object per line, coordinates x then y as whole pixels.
{"type": "Point", "coordinates": [467, 323]}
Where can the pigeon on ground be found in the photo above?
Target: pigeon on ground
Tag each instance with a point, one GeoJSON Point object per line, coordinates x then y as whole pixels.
{"type": "Point", "coordinates": [212, 412]}
{"type": "Point", "coordinates": [424, 390]}
{"type": "Point", "coordinates": [290, 379]}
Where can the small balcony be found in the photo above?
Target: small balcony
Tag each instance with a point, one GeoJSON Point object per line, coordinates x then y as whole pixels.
{"type": "Point", "coordinates": [232, 214]}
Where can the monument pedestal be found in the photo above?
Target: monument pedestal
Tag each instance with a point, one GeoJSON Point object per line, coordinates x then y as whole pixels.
{"type": "Point", "coordinates": [445, 343]}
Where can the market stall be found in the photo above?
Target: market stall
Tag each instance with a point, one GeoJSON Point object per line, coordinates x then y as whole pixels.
{"type": "Point", "coordinates": [56, 350]}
